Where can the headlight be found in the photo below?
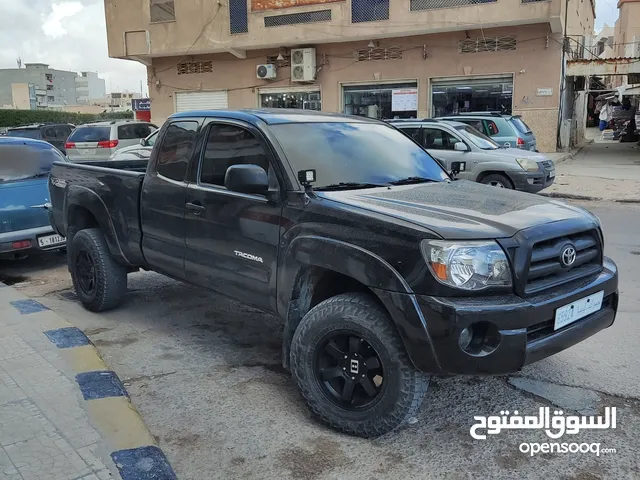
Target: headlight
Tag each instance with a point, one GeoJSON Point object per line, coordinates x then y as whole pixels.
{"type": "Point", "coordinates": [528, 165]}
{"type": "Point", "coordinates": [467, 265]}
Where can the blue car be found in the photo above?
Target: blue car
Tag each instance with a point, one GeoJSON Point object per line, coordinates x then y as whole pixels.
{"type": "Point", "coordinates": [24, 173]}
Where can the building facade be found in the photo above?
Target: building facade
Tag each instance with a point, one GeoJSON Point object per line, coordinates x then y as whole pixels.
{"type": "Point", "coordinates": [377, 58]}
{"type": "Point", "coordinates": [89, 86]}
{"type": "Point", "coordinates": [52, 87]}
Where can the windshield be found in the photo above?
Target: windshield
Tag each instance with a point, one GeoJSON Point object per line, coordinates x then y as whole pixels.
{"type": "Point", "coordinates": [21, 161]}
{"type": "Point", "coordinates": [355, 153]}
{"type": "Point", "coordinates": [90, 134]}
{"type": "Point", "coordinates": [25, 133]}
{"type": "Point", "coordinates": [480, 140]}
{"type": "Point", "coordinates": [520, 125]}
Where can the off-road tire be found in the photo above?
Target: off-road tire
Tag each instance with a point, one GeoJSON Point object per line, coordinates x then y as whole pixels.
{"type": "Point", "coordinates": [498, 178]}
{"type": "Point", "coordinates": [111, 277]}
{"type": "Point", "coordinates": [403, 395]}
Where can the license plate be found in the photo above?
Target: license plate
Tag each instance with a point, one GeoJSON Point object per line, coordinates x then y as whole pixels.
{"type": "Point", "coordinates": [50, 240]}
{"type": "Point", "coordinates": [88, 151]}
{"type": "Point", "coordinates": [577, 310]}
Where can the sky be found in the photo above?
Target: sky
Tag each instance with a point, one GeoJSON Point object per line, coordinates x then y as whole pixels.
{"type": "Point", "coordinates": [67, 35]}
{"type": "Point", "coordinates": [71, 35]}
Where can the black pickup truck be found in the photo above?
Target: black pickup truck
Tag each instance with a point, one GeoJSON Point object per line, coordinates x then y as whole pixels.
{"type": "Point", "coordinates": [383, 269]}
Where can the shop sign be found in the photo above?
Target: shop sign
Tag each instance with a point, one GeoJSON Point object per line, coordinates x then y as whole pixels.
{"type": "Point", "coordinates": [544, 92]}
{"type": "Point", "coordinates": [404, 100]}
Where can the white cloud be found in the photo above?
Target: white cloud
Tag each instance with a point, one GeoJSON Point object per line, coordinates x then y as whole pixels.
{"type": "Point", "coordinates": [67, 35]}
{"type": "Point", "coordinates": [52, 25]}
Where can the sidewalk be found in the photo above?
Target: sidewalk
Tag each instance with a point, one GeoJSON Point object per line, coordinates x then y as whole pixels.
{"type": "Point", "coordinates": [63, 414]}
{"type": "Point", "coordinates": [602, 170]}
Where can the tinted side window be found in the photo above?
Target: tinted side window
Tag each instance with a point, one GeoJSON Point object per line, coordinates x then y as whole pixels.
{"type": "Point", "coordinates": [143, 130]}
{"type": "Point", "coordinates": [477, 124]}
{"type": "Point", "coordinates": [439, 139]}
{"type": "Point", "coordinates": [49, 133]}
{"type": "Point", "coordinates": [492, 128]}
{"type": "Point", "coordinates": [176, 150]}
{"type": "Point", "coordinates": [126, 132]}
{"type": "Point", "coordinates": [229, 145]}
{"type": "Point", "coordinates": [414, 132]}
{"type": "Point", "coordinates": [62, 132]}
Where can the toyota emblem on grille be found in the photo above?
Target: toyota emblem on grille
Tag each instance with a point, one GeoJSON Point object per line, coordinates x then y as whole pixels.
{"type": "Point", "coordinates": [568, 256]}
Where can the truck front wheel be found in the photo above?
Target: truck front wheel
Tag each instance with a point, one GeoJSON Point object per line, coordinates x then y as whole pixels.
{"type": "Point", "coordinates": [100, 282]}
{"type": "Point", "coordinates": [352, 369]}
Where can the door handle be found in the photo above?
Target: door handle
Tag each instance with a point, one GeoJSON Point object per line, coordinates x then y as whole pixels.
{"type": "Point", "coordinates": [196, 208]}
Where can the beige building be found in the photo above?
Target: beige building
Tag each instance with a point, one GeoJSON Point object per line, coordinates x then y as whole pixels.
{"type": "Point", "coordinates": [627, 29]}
{"type": "Point", "coordinates": [379, 58]}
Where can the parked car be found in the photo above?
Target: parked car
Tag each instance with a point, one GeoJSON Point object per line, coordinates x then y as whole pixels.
{"type": "Point", "coordinates": [507, 130]}
{"type": "Point", "coordinates": [24, 223]}
{"type": "Point", "coordinates": [141, 150]}
{"type": "Point", "coordinates": [383, 270]}
{"type": "Point", "coordinates": [98, 141]}
{"type": "Point", "coordinates": [54, 133]}
{"type": "Point", "coordinates": [482, 159]}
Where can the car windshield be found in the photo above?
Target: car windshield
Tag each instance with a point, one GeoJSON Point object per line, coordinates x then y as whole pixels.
{"type": "Point", "coordinates": [90, 134]}
{"type": "Point", "coordinates": [25, 133]}
{"type": "Point", "coordinates": [23, 161]}
{"type": "Point", "coordinates": [520, 125]}
{"type": "Point", "coordinates": [480, 140]}
{"type": "Point", "coordinates": [355, 154]}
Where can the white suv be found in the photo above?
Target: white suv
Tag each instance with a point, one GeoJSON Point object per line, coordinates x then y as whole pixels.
{"type": "Point", "coordinates": [98, 141]}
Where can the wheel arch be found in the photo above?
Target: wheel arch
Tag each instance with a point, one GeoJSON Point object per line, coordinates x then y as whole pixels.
{"type": "Point", "coordinates": [310, 279]}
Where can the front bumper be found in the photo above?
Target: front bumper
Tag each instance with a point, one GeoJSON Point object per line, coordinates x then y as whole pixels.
{"type": "Point", "coordinates": [431, 326]}
{"type": "Point", "coordinates": [31, 234]}
{"type": "Point", "coordinates": [532, 182]}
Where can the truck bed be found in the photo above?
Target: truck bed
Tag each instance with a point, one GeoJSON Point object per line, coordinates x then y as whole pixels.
{"type": "Point", "coordinates": [104, 194]}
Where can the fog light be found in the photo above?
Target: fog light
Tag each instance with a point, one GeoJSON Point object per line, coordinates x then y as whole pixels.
{"type": "Point", "coordinates": [479, 339]}
{"type": "Point", "coordinates": [465, 337]}
{"type": "Point", "coordinates": [530, 181]}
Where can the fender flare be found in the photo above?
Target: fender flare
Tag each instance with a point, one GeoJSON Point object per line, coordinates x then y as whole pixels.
{"type": "Point", "coordinates": [87, 199]}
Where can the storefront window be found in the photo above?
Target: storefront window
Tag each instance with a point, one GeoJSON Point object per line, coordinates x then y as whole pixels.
{"type": "Point", "coordinates": [382, 101]}
{"type": "Point", "coordinates": [301, 100]}
{"type": "Point", "coordinates": [471, 95]}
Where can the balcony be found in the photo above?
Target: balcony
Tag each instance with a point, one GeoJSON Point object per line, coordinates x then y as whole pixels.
{"type": "Point", "coordinates": [144, 29]}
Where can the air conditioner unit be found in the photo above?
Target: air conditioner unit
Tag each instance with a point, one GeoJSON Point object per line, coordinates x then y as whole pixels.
{"type": "Point", "coordinates": [266, 71]}
{"type": "Point", "coordinates": [303, 65]}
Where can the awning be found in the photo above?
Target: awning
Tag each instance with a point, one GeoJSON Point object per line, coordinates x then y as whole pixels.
{"type": "Point", "coordinates": [603, 66]}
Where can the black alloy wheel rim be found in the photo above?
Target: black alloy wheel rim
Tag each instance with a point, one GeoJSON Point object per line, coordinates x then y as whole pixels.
{"type": "Point", "coordinates": [349, 370]}
{"type": "Point", "coordinates": [85, 272]}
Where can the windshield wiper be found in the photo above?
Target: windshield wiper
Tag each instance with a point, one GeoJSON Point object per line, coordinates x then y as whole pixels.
{"type": "Point", "coordinates": [348, 186]}
{"type": "Point", "coordinates": [412, 181]}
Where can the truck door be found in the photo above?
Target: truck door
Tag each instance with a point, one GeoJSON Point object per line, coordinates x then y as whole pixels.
{"type": "Point", "coordinates": [162, 205]}
{"type": "Point", "coordinates": [232, 238]}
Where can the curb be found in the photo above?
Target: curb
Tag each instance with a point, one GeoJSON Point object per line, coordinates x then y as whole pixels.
{"type": "Point", "coordinates": [132, 448]}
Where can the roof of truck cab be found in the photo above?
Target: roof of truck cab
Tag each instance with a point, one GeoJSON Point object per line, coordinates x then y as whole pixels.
{"type": "Point", "coordinates": [273, 116]}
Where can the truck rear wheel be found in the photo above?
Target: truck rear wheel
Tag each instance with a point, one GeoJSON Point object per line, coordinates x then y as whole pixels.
{"type": "Point", "coordinates": [352, 369]}
{"type": "Point", "coordinates": [100, 282]}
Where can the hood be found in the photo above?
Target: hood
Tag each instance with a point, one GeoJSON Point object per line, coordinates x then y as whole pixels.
{"type": "Point", "coordinates": [513, 153]}
{"type": "Point", "coordinates": [461, 209]}
{"type": "Point", "coordinates": [16, 202]}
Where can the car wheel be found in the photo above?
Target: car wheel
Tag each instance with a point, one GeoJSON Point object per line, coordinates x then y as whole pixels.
{"type": "Point", "coordinates": [351, 367]}
{"type": "Point", "coordinates": [100, 282]}
{"type": "Point", "coordinates": [497, 180]}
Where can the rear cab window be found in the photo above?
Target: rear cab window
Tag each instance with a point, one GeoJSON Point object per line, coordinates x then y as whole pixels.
{"type": "Point", "coordinates": [176, 150]}
{"type": "Point", "coordinates": [90, 134]}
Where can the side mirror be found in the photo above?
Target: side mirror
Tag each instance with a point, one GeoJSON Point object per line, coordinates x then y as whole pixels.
{"type": "Point", "coordinates": [247, 179]}
{"type": "Point", "coordinates": [143, 142]}
{"type": "Point", "coordinates": [460, 147]}
{"type": "Point", "coordinates": [457, 167]}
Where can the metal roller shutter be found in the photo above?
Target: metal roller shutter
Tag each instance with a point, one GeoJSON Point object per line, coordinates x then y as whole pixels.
{"type": "Point", "coordinates": [186, 101]}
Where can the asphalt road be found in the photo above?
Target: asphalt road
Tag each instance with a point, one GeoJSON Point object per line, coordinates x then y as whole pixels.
{"type": "Point", "coordinates": [205, 373]}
